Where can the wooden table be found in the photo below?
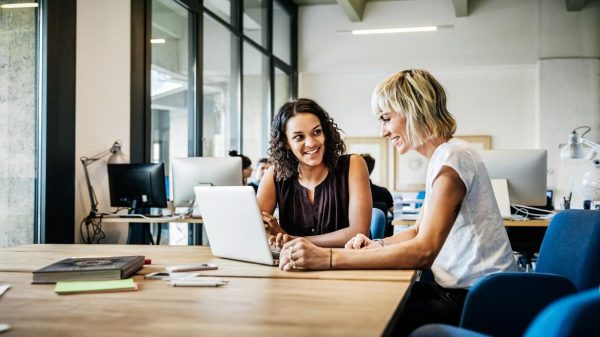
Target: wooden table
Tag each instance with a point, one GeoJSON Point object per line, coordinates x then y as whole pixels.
{"type": "Point", "coordinates": [258, 301]}
{"type": "Point", "coordinates": [507, 223]}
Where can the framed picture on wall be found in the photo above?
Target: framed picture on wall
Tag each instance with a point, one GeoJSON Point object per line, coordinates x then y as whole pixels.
{"type": "Point", "coordinates": [410, 169]}
{"type": "Point", "coordinates": [377, 148]}
{"type": "Point", "coordinates": [479, 142]}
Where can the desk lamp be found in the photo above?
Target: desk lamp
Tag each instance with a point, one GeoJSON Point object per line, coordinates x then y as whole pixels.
{"type": "Point", "coordinates": [574, 149]}
{"type": "Point", "coordinates": [116, 157]}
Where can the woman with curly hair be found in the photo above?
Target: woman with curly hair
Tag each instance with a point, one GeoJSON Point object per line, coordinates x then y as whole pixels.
{"type": "Point", "coordinates": [322, 193]}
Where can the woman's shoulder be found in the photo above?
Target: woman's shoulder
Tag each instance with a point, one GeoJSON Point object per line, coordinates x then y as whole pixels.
{"type": "Point", "coordinates": [456, 148]}
{"type": "Point", "coordinates": [343, 161]}
{"type": "Point", "coordinates": [457, 145]}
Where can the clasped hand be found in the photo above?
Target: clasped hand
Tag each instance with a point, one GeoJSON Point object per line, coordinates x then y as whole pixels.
{"type": "Point", "coordinates": [300, 254]}
{"type": "Point", "coordinates": [361, 241]}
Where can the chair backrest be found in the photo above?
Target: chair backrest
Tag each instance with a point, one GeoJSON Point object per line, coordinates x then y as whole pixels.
{"type": "Point", "coordinates": [571, 248]}
{"type": "Point", "coordinates": [378, 222]}
{"type": "Point", "coordinates": [573, 316]}
{"type": "Point", "coordinates": [503, 304]}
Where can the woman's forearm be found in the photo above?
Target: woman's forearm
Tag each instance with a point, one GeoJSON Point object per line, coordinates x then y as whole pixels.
{"type": "Point", "coordinates": [337, 238]}
{"type": "Point", "coordinates": [401, 237]}
{"type": "Point", "coordinates": [406, 255]}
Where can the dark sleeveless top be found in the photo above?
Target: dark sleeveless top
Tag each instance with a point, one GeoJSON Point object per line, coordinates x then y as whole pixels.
{"type": "Point", "coordinates": [298, 217]}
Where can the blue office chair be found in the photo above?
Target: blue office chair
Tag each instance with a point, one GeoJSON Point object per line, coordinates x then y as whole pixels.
{"type": "Point", "coordinates": [378, 223]}
{"type": "Point", "coordinates": [504, 304]}
{"type": "Point", "coordinates": [571, 248]}
{"type": "Point", "coordinates": [573, 316]}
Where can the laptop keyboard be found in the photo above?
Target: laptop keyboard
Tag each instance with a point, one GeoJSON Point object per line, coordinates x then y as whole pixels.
{"type": "Point", "coordinates": [275, 252]}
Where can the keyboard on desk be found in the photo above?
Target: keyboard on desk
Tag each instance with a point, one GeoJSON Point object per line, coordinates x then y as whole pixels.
{"type": "Point", "coordinates": [133, 216]}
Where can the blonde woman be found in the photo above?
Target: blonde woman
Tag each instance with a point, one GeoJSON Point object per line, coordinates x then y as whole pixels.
{"type": "Point", "coordinates": [459, 234]}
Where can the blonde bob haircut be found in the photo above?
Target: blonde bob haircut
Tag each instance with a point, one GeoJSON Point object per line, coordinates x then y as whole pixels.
{"type": "Point", "coordinates": [417, 96]}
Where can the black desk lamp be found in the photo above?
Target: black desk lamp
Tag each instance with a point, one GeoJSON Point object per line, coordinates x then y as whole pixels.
{"type": "Point", "coordinates": [116, 157]}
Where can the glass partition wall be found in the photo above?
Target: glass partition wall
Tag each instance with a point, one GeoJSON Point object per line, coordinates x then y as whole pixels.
{"type": "Point", "coordinates": [216, 72]}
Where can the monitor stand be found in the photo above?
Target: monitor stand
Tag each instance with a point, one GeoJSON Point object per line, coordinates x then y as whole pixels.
{"type": "Point", "coordinates": [500, 187]}
{"type": "Point", "coordinates": [139, 233]}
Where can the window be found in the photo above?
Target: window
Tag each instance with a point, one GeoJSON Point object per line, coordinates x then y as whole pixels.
{"type": "Point", "coordinates": [282, 36]}
{"type": "Point", "coordinates": [220, 113]}
{"type": "Point", "coordinates": [217, 69]}
{"type": "Point", "coordinates": [255, 21]}
{"type": "Point", "coordinates": [172, 75]}
{"type": "Point", "coordinates": [220, 8]}
{"type": "Point", "coordinates": [282, 89]}
{"type": "Point", "coordinates": [256, 103]}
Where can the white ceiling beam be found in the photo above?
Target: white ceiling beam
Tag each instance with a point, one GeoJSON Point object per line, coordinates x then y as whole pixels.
{"type": "Point", "coordinates": [575, 5]}
{"type": "Point", "coordinates": [461, 7]}
{"type": "Point", "coordinates": [353, 8]}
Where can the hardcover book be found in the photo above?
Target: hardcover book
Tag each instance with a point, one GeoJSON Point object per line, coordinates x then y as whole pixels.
{"type": "Point", "coordinates": [89, 269]}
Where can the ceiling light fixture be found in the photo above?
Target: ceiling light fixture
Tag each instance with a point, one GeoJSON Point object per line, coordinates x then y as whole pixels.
{"type": "Point", "coordinates": [394, 30]}
{"type": "Point", "coordinates": [156, 41]}
{"type": "Point", "coordinates": [21, 5]}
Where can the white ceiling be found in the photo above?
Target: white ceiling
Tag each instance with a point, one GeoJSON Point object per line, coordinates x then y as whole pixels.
{"type": "Point", "coordinates": [354, 8]}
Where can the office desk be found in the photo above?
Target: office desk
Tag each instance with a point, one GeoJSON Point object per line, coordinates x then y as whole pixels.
{"type": "Point", "coordinates": [139, 230]}
{"type": "Point", "coordinates": [507, 223]}
{"type": "Point", "coordinates": [152, 220]}
{"type": "Point", "coordinates": [247, 306]}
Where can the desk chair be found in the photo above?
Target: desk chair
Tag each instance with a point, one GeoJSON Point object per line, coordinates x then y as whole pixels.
{"type": "Point", "coordinates": [571, 248]}
{"type": "Point", "coordinates": [389, 229]}
{"type": "Point", "coordinates": [378, 224]}
{"type": "Point", "coordinates": [573, 316]}
{"type": "Point", "coordinates": [504, 304]}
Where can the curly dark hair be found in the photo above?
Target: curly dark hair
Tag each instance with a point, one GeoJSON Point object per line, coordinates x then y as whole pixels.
{"type": "Point", "coordinates": [284, 161]}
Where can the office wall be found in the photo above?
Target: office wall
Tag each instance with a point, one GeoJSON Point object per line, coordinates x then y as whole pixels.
{"type": "Point", "coordinates": [488, 62]}
{"type": "Point", "coordinates": [102, 98]}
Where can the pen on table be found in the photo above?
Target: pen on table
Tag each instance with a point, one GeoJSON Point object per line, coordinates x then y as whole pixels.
{"type": "Point", "coordinates": [198, 283]}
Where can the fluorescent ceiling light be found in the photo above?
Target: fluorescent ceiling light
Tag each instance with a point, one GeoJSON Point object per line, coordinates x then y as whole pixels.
{"type": "Point", "coordinates": [394, 30]}
{"type": "Point", "coordinates": [155, 41]}
{"type": "Point", "coordinates": [22, 5]}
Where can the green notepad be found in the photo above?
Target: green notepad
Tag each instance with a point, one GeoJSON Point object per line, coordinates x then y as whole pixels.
{"type": "Point", "coordinates": [95, 286]}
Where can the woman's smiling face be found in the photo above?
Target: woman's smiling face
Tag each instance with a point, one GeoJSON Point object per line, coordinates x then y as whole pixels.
{"type": "Point", "coordinates": [393, 127]}
{"type": "Point", "coordinates": [306, 139]}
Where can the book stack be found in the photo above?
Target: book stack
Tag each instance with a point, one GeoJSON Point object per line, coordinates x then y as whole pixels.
{"type": "Point", "coordinates": [89, 269]}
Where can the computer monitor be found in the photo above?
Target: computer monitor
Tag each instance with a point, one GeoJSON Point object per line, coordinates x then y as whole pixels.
{"type": "Point", "coordinates": [196, 171]}
{"type": "Point", "coordinates": [137, 186]}
{"type": "Point", "coordinates": [524, 170]}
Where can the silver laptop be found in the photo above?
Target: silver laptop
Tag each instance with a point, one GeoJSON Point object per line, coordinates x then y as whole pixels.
{"type": "Point", "coordinates": [233, 224]}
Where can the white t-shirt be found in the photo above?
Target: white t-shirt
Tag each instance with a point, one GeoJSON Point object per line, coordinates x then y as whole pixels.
{"type": "Point", "coordinates": [477, 243]}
